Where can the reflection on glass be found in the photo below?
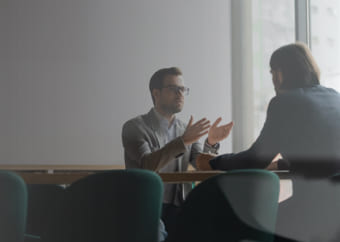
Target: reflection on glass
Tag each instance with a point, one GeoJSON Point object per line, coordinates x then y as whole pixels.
{"type": "Point", "coordinates": [325, 40]}
{"type": "Point", "coordinates": [273, 26]}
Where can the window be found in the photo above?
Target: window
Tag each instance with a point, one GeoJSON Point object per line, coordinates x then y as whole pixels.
{"type": "Point", "coordinates": [258, 28]}
{"type": "Point", "coordinates": [271, 29]}
{"type": "Point", "coordinates": [325, 40]}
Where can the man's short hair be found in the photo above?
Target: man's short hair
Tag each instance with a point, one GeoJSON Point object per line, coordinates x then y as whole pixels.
{"type": "Point", "coordinates": [156, 81]}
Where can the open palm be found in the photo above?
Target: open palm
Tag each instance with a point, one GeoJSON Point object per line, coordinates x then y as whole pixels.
{"type": "Point", "coordinates": [218, 133]}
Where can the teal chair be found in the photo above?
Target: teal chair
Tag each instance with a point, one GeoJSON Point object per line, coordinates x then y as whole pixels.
{"type": "Point", "coordinates": [119, 205]}
{"type": "Point", "coordinates": [13, 207]}
{"type": "Point", "coordinates": [240, 205]}
{"type": "Point", "coordinates": [311, 214]}
{"type": "Point", "coordinates": [43, 211]}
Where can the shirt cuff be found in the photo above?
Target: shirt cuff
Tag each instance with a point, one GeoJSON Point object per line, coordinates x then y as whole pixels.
{"type": "Point", "coordinates": [212, 148]}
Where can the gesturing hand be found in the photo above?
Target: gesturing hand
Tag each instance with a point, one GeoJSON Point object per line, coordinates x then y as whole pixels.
{"type": "Point", "coordinates": [218, 133]}
{"type": "Point", "coordinates": [202, 161]}
{"type": "Point", "coordinates": [195, 131]}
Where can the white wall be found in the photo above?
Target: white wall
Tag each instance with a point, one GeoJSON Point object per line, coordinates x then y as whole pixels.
{"type": "Point", "coordinates": [73, 71]}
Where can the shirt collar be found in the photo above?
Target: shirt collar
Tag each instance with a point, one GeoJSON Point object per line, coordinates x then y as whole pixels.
{"type": "Point", "coordinates": [164, 123]}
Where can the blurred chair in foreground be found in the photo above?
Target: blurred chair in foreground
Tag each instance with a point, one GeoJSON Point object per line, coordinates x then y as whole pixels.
{"type": "Point", "coordinates": [239, 205]}
{"type": "Point", "coordinates": [44, 211]}
{"type": "Point", "coordinates": [119, 205]}
{"type": "Point", "coordinates": [13, 207]}
{"type": "Point", "coordinates": [312, 213]}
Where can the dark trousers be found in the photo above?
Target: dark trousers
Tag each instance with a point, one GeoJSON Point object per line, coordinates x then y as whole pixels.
{"type": "Point", "coordinates": [169, 215]}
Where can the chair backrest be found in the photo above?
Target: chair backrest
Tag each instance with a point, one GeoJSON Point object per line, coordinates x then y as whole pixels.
{"type": "Point", "coordinates": [44, 208]}
{"type": "Point", "coordinates": [119, 205]}
{"type": "Point", "coordinates": [13, 207]}
{"type": "Point", "coordinates": [311, 214]}
{"type": "Point", "coordinates": [236, 206]}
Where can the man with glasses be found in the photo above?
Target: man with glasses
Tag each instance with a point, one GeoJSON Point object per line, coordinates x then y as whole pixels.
{"type": "Point", "coordinates": [160, 142]}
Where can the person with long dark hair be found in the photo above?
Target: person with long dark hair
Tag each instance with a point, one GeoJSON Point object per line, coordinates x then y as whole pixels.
{"type": "Point", "coordinates": [302, 123]}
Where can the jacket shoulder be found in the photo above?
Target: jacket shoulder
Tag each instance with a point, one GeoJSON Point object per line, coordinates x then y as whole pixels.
{"type": "Point", "coordinates": [136, 124]}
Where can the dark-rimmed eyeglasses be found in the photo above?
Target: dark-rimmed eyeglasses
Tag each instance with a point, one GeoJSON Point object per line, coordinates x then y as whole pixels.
{"type": "Point", "coordinates": [178, 89]}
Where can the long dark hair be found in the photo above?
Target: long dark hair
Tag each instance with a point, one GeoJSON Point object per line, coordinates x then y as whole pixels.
{"type": "Point", "coordinates": [297, 65]}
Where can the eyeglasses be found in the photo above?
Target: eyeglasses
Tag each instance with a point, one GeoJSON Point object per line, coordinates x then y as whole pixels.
{"type": "Point", "coordinates": [178, 89]}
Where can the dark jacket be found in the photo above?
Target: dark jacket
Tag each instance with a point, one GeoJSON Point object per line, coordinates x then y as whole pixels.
{"type": "Point", "coordinates": [302, 124]}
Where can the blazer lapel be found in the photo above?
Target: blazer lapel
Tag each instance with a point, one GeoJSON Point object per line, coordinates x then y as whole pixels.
{"type": "Point", "coordinates": [154, 124]}
{"type": "Point", "coordinates": [179, 131]}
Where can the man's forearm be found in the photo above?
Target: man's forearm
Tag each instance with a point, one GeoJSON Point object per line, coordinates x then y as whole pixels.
{"type": "Point", "coordinates": [158, 159]}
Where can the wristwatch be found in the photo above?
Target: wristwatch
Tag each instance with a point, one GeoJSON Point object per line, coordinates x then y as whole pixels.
{"type": "Point", "coordinates": [214, 147]}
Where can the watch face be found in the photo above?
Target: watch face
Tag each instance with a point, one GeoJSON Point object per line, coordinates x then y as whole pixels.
{"type": "Point", "coordinates": [215, 146]}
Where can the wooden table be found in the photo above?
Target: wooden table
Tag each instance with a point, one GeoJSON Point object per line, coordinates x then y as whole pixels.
{"type": "Point", "coordinates": [66, 174]}
{"type": "Point", "coordinates": [67, 177]}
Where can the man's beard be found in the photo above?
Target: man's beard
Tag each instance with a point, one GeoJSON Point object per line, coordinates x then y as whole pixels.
{"type": "Point", "coordinates": [171, 109]}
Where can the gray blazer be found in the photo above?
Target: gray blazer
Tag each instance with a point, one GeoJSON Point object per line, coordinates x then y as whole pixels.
{"type": "Point", "coordinates": [145, 147]}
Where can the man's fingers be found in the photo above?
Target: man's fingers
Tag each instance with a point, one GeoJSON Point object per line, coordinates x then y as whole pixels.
{"type": "Point", "coordinates": [217, 121]}
{"type": "Point", "coordinates": [201, 122]}
{"type": "Point", "coordinates": [198, 128]}
{"type": "Point", "coordinates": [227, 128]}
{"type": "Point", "coordinates": [205, 124]}
{"type": "Point", "coordinates": [202, 134]}
{"type": "Point", "coordinates": [203, 129]}
{"type": "Point", "coordinates": [231, 123]}
{"type": "Point", "coordinates": [228, 125]}
{"type": "Point", "coordinates": [190, 121]}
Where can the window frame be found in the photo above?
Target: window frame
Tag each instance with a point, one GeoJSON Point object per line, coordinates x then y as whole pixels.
{"type": "Point", "coordinates": [241, 66]}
